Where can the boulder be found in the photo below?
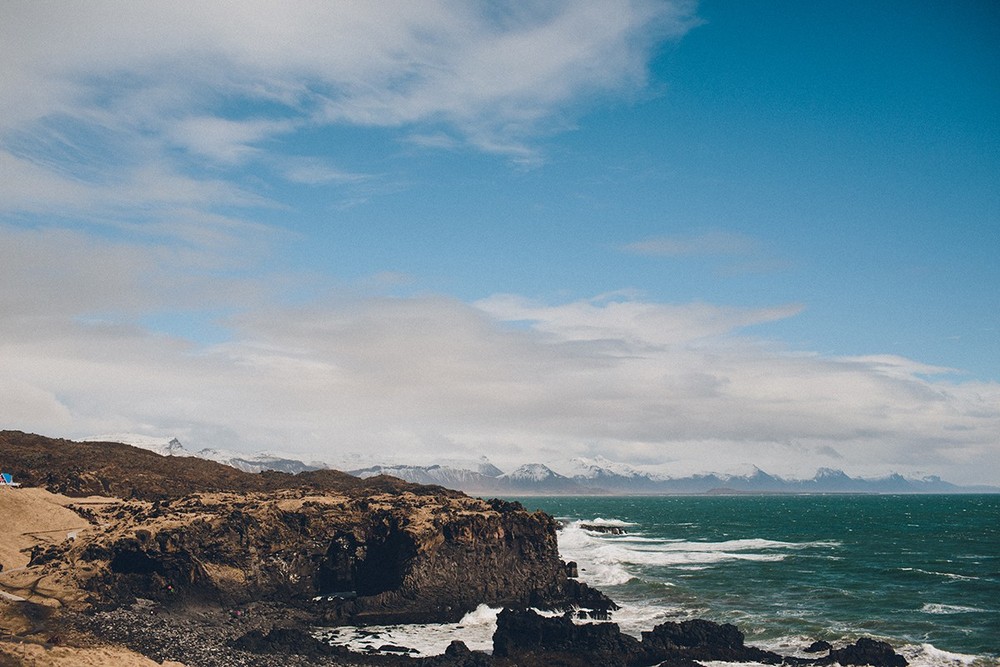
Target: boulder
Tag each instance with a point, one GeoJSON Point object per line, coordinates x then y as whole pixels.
{"type": "Point", "coordinates": [530, 639]}
{"type": "Point", "coordinates": [699, 639]}
{"type": "Point", "coordinates": [818, 647]}
{"type": "Point", "coordinates": [866, 651]}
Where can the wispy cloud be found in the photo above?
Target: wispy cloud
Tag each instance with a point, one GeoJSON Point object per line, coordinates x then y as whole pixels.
{"type": "Point", "coordinates": [732, 253]}
{"type": "Point", "coordinates": [630, 320]}
{"type": "Point", "coordinates": [496, 76]}
{"type": "Point", "coordinates": [225, 140]}
{"type": "Point", "coordinates": [314, 171]}
{"type": "Point", "coordinates": [709, 244]}
{"type": "Point", "coordinates": [175, 115]}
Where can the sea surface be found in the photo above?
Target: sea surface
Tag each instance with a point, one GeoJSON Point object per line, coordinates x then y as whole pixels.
{"type": "Point", "coordinates": [921, 572]}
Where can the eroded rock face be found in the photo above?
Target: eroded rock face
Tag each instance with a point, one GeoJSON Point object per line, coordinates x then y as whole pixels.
{"type": "Point", "coordinates": [345, 548]}
{"type": "Point", "coordinates": [402, 557]}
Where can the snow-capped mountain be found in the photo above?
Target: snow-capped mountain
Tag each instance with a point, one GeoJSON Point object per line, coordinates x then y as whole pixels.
{"type": "Point", "coordinates": [257, 462]}
{"type": "Point", "coordinates": [539, 478]}
{"type": "Point", "coordinates": [599, 467]}
{"type": "Point", "coordinates": [601, 476]}
{"type": "Point", "coordinates": [533, 472]}
{"type": "Point", "coordinates": [245, 462]}
{"type": "Point", "coordinates": [447, 476]}
{"type": "Point", "coordinates": [586, 476]}
{"type": "Point", "coordinates": [163, 446]}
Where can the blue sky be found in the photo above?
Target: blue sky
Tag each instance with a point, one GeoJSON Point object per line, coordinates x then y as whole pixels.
{"type": "Point", "coordinates": [682, 236]}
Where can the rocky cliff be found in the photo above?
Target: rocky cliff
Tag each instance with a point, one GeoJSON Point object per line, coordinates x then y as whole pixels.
{"type": "Point", "coordinates": [348, 549]}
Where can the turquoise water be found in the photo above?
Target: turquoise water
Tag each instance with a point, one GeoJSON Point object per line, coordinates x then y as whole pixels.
{"type": "Point", "coordinates": [922, 572]}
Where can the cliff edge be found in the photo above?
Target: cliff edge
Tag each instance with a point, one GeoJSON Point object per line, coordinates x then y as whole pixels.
{"type": "Point", "coordinates": [185, 530]}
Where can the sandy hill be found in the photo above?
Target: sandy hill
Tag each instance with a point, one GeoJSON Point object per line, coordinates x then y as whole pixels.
{"type": "Point", "coordinates": [34, 517]}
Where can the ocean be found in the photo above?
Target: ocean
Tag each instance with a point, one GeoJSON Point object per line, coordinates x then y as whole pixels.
{"type": "Point", "coordinates": [921, 572]}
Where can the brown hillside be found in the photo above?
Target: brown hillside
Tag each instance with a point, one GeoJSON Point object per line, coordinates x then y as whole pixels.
{"type": "Point", "coordinates": [114, 469]}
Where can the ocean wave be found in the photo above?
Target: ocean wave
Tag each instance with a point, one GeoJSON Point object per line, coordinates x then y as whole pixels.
{"type": "Point", "coordinates": [927, 655]}
{"type": "Point", "coordinates": [475, 629]}
{"type": "Point", "coordinates": [614, 560]}
{"type": "Point", "coordinates": [917, 655]}
{"type": "Point", "coordinates": [946, 575]}
{"type": "Point", "coordinates": [932, 608]}
{"type": "Point", "coordinates": [600, 521]}
{"type": "Point", "coordinates": [681, 544]}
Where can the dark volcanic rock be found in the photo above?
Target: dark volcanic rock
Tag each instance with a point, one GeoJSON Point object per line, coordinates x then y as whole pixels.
{"type": "Point", "coordinates": [696, 633]}
{"type": "Point", "coordinates": [866, 651]}
{"type": "Point", "coordinates": [604, 528]}
{"type": "Point", "coordinates": [818, 647]}
{"type": "Point", "coordinates": [532, 639]}
{"type": "Point", "coordinates": [284, 641]}
{"type": "Point", "coordinates": [704, 640]}
{"type": "Point", "coordinates": [525, 635]}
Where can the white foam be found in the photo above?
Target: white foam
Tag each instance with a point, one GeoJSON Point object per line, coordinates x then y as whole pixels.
{"type": "Point", "coordinates": [634, 618]}
{"type": "Point", "coordinates": [946, 575]}
{"type": "Point", "coordinates": [600, 521]}
{"type": "Point", "coordinates": [475, 629]}
{"type": "Point", "coordinates": [917, 655]}
{"type": "Point", "coordinates": [610, 560]}
{"type": "Point", "coordinates": [931, 608]}
{"type": "Point", "coordinates": [927, 655]}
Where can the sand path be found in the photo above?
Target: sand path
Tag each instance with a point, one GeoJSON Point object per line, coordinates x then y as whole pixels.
{"type": "Point", "coordinates": [31, 516]}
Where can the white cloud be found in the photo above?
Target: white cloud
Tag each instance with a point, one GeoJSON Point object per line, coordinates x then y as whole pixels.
{"type": "Point", "coordinates": [497, 75]}
{"type": "Point", "coordinates": [636, 322]}
{"type": "Point", "coordinates": [706, 244]}
{"type": "Point", "coordinates": [641, 382]}
{"type": "Point", "coordinates": [739, 254]}
{"type": "Point", "coordinates": [153, 114]}
{"type": "Point", "coordinates": [225, 140]}
{"type": "Point", "coordinates": [313, 171]}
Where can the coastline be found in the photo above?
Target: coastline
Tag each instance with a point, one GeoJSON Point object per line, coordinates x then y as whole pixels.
{"type": "Point", "coordinates": [174, 571]}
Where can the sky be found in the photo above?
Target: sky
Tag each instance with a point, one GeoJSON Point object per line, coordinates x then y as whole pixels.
{"type": "Point", "coordinates": [683, 236]}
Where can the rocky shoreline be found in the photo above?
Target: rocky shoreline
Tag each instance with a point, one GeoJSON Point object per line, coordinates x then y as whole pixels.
{"type": "Point", "coordinates": [264, 633]}
{"type": "Point", "coordinates": [196, 563]}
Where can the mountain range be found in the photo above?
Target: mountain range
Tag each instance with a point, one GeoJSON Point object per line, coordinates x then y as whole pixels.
{"type": "Point", "coordinates": [594, 479]}
{"type": "Point", "coordinates": [246, 462]}
{"type": "Point", "coordinates": [597, 476]}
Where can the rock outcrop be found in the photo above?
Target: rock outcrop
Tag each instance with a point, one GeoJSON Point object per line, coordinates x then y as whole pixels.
{"type": "Point", "coordinates": [530, 640]}
{"type": "Point", "coordinates": [865, 651]}
{"type": "Point", "coordinates": [376, 549]}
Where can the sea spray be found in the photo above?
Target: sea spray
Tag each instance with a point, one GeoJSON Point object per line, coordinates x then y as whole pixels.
{"type": "Point", "coordinates": [424, 639]}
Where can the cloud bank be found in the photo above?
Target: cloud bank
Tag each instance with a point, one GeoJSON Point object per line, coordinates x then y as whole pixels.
{"type": "Point", "coordinates": [410, 379]}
